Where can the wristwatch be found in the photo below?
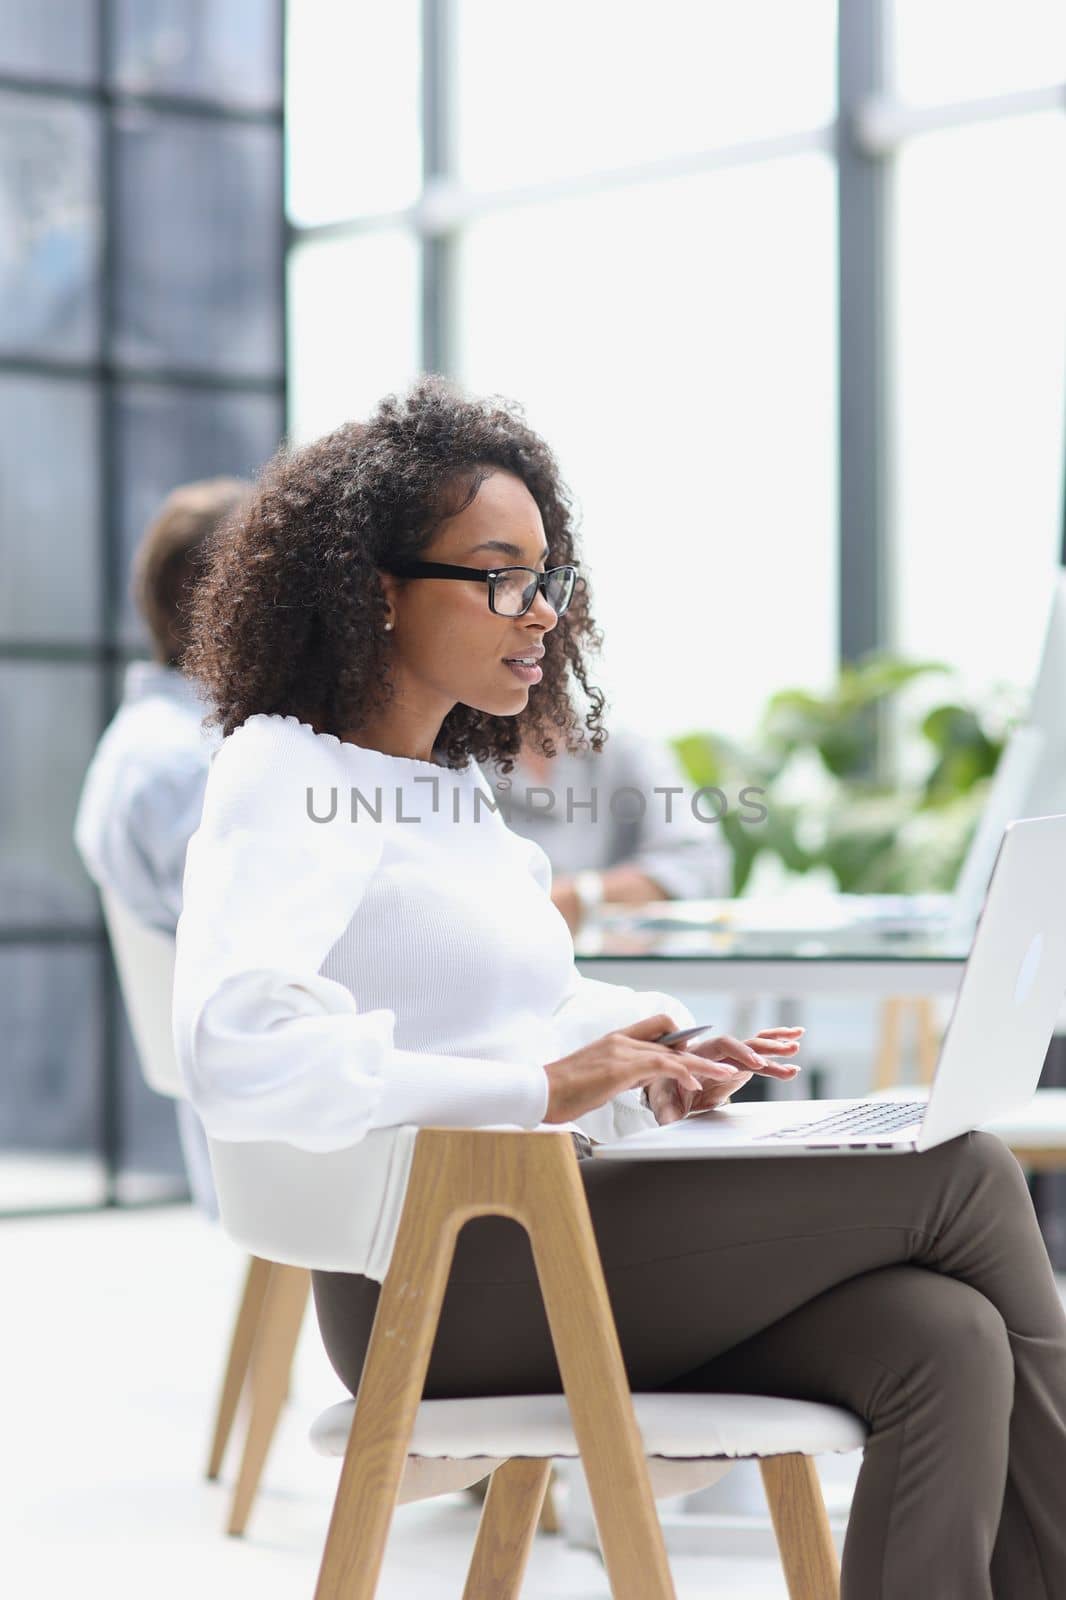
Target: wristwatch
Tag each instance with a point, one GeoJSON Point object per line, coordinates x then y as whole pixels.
{"type": "Point", "coordinates": [588, 886]}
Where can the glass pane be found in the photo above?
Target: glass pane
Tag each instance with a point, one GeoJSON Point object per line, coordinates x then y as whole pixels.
{"type": "Point", "coordinates": [50, 228]}
{"type": "Point", "coordinates": [224, 50]}
{"type": "Point", "coordinates": [353, 326]}
{"type": "Point", "coordinates": [979, 410]}
{"type": "Point", "coordinates": [48, 731]}
{"type": "Point", "coordinates": [705, 425]}
{"type": "Point", "coordinates": [50, 39]}
{"type": "Point", "coordinates": [353, 108]}
{"type": "Point", "coordinates": [955, 49]}
{"type": "Point", "coordinates": [172, 436]}
{"type": "Point", "coordinates": [151, 1163]}
{"type": "Point", "coordinates": [50, 1085]}
{"type": "Point", "coordinates": [550, 88]}
{"type": "Point", "coordinates": [49, 534]}
{"type": "Point", "coordinates": [199, 249]}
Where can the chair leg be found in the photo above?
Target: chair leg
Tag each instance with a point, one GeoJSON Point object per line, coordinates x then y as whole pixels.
{"type": "Point", "coordinates": [456, 1175]}
{"type": "Point", "coordinates": [549, 1513]}
{"type": "Point", "coordinates": [886, 1067]}
{"type": "Point", "coordinates": [801, 1524]}
{"type": "Point", "coordinates": [505, 1532]}
{"type": "Point", "coordinates": [928, 1037]}
{"type": "Point", "coordinates": [597, 1389]}
{"type": "Point", "coordinates": [240, 1352]}
{"type": "Point", "coordinates": [390, 1388]}
{"type": "Point", "coordinates": [275, 1346]}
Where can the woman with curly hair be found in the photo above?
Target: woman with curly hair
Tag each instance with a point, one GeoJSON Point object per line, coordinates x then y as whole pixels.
{"type": "Point", "coordinates": [364, 943]}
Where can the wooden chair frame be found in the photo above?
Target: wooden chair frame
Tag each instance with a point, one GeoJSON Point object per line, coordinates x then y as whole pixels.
{"type": "Point", "coordinates": [456, 1175]}
{"type": "Point", "coordinates": [259, 1366]}
{"type": "Point", "coordinates": [890, 1038]}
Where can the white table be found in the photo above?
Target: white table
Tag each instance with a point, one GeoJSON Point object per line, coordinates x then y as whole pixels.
{"type": "Point", "coordinates": [684, 959]}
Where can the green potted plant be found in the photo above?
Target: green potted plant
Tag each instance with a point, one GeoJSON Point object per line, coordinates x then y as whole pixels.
{"type": "Point", "coordinates": [856, 782]}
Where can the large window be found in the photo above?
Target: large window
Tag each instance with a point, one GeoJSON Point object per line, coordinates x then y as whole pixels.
{"type": "Point", "coordinates": [625, 219]}
{"type": "Point", "coordinates": [679, 356]}
{"type": "Point", "coordinates": [548, 89]}
{"type": "Point", "coordinates": [782, 285]}
{"type": "Point", "coordinates": [141, 345]}
{"type": "Point", "coordinates": [977, 143]}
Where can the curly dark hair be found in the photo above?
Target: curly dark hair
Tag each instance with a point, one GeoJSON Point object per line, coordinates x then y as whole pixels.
{"type": "Point", "coordinates": [289, 615]}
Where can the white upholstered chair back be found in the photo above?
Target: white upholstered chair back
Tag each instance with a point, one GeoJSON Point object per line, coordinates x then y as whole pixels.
{"type": "Point", "coordinates": [144, 957]}
{"type": "Point", "coordinates": [278, 1202]}
{"type": "Point", "coordinates": [309, 1209]}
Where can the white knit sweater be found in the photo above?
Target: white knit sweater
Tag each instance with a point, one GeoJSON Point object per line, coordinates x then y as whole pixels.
{"type": "Point", "coordinates": [337, 976]}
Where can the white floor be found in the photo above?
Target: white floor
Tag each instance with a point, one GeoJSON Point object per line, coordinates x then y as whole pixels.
{"type": "Point", "coordinates": [114, 1338]}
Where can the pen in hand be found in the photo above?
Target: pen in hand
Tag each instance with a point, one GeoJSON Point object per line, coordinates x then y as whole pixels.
{"type": "Point", "coordinates": [754, 1055]}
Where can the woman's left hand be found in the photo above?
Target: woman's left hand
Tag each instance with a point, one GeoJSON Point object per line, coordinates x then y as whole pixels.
{"type": "Point", "coordinates": [737, 1060]}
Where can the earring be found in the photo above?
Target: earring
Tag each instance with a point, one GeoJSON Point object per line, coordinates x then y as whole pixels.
{"type": "Point", "coordinates": [388, 625]}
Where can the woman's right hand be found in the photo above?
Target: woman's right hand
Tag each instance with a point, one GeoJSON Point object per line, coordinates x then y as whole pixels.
{"type": "Point", "coordinates": [628, 1058]}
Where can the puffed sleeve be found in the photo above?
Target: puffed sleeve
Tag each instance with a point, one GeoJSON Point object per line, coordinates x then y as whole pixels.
{"type": "Point", "coordinates": [588, 1009]}
{"type": "Point", "coordinates": [270, 1048]}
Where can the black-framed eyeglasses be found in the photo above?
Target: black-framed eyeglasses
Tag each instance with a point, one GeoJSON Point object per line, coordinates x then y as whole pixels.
{"type": "Point", "coordinates": [512, 590]}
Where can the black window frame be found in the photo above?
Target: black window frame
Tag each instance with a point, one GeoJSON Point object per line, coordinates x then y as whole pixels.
{"type": "Point", "coordinates": [108, 654]}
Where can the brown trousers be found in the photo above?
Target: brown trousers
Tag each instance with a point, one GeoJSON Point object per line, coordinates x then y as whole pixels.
{"type": "Point", "coordinates": [914, 1289]}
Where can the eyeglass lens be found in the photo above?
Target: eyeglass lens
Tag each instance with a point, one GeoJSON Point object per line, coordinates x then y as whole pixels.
{"type": "Point", "coordinates": [516, 591]}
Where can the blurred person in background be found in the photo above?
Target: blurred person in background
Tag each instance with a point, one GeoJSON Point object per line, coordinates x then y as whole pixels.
{"type": "Point", "coordinates": [144, 789]}
{"type": "Point", "coordinates": [635, 846]}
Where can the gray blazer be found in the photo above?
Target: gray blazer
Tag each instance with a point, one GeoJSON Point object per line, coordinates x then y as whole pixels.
{"type": "Point", "coordinates": [689, 858]}
{"type": "Point", "coordinates": [144, 792]}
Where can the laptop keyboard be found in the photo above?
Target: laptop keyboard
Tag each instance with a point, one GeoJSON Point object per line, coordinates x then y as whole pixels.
{"type": "Point", "coordinates": [875, 1116]}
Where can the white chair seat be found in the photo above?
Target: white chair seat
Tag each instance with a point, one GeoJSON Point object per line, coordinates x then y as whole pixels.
{"type": "Point", "coordinates": [456, 1442]}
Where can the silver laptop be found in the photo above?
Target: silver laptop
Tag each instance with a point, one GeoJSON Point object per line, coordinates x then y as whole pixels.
{"type": "Point", "coordinates": [993, 1050]}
